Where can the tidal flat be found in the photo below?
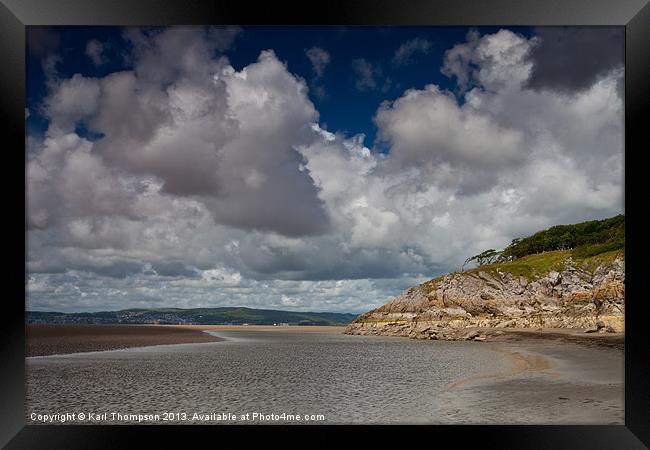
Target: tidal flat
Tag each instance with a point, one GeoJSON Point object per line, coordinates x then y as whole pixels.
{"type": "Point", "coordinates": [287, 376]}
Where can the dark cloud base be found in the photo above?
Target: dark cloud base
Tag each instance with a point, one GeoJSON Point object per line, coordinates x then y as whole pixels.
{"type": "Point", "coordinates": [570, 59]}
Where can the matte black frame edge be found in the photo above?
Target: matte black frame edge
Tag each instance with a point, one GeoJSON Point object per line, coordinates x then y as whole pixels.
{"type": "Point", "coordinates": [633, 14]}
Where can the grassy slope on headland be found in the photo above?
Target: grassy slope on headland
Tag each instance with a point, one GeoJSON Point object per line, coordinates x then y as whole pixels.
{"type": "Point", "coordinates": [536, 266]}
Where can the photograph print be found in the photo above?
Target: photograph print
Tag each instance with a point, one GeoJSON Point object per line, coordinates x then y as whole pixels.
{"type": "Point", "coordinates": [235, 225]}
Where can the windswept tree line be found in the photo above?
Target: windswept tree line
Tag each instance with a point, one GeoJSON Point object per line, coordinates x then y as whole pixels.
{"type": "Point", "coordinates": [585, 239]}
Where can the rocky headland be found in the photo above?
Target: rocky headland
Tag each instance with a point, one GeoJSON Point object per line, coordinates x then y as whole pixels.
{"type": "Point", "coordinates": [551, 290]}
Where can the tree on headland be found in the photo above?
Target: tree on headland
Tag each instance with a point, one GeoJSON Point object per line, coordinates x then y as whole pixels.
{"type": "Point", "coordinates": [584, 239]}
{"type": "Point", "coordinates": [487, 257]}
{"type": "Point", "coordinates": [587, 238]}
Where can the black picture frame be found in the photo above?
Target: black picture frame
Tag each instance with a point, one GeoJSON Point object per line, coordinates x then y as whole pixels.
{"type": "Point", "coordinates": [634, 15]}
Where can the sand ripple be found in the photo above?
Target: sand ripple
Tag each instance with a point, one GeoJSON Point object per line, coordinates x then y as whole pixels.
{"type": "Point", "coordinates": [348, 379]}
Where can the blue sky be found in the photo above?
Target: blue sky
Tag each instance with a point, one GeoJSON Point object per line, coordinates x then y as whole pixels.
{"type": "Point", "coordinates": [343, 108]}
{"type": "Point", "coordinates": [223, 166]}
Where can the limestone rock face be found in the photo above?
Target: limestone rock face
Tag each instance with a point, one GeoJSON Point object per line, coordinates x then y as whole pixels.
{"type": "Point", "coordinates": [441, 309]}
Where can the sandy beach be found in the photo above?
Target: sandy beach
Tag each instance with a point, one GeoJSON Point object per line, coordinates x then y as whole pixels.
{"type": "Point", "coordinates": [46, 339]}
{"type": "Point", "coordinates": [566, 335]}
{"type": "Point", "coordinates": [516, 377]}
{"type": "Point", "coordinates": [566, 380]}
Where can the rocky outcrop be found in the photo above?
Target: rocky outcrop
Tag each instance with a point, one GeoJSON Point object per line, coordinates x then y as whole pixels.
{"type": "Point", "coordinates": [453, 306]}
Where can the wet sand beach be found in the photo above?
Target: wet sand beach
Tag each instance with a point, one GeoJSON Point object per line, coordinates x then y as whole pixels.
{"type": "Point", "coordinates": [54, 339]}
{"type": "Point", "coordinates": [45, 339]}
{"type": "Point", "coordinates": [349, 379]}
{"type": "Point", "coordinates": [549, 381]}
{"type": "Point", "coordinates": [559, 335]}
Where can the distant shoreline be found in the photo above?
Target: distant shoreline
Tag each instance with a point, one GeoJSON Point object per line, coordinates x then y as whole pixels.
{"type": "Point", "coordinates": [191, 316]}
{"type": "Point", "coordinates": [285, 328]}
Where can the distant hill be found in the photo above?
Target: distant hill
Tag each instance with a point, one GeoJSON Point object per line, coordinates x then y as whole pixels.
{"type": "Point", "coordinates": [199, 316]}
